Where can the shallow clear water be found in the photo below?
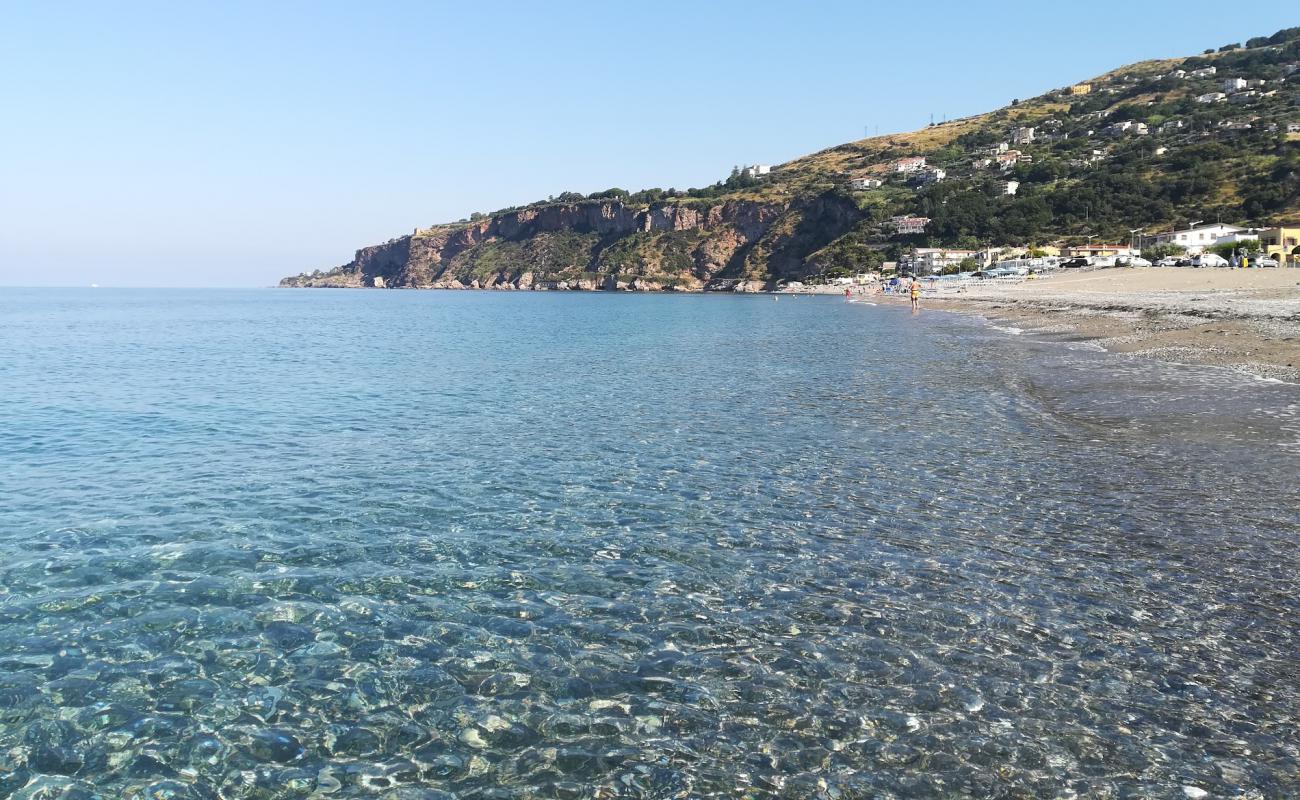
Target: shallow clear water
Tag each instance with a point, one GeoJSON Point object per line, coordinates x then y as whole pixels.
{"type": "Point", "coordinates": [274, 544]}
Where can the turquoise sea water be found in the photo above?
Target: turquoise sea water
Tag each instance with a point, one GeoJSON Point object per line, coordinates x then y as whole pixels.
{"type": "Point", "coordinates": [290, 544]}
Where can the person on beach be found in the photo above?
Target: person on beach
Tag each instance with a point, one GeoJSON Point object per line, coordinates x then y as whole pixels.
{"type": "Point", "coordinates": [916, 293]}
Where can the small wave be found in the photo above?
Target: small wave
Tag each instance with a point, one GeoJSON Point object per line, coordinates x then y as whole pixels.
{"type": "Point", "coordinates": [1008, 329]}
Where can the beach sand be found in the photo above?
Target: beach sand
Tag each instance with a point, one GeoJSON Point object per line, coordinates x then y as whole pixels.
{"type": "Point", "coordinates": [1247, 320]}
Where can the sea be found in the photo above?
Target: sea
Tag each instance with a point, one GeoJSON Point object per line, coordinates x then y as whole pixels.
{"type": "Point", "coordinates": [427, 545]}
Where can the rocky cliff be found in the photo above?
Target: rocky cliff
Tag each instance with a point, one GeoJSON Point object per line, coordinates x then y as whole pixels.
{"type": "Point", "coordinates": [740, 245]}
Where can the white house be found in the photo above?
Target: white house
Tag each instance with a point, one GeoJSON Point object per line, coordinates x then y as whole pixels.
{"type": "Point", "coordinates": [913, 164]}
{"type": "Point", "coordinates": [1248, 235]}
{"type": "Point", "coordinates": [1194, 239]}
{"type": "Point", "coordinates": [1211, 97]}
{"type": "Point", "coordinates": [1203, 72]}
{"type": "Point", "coordinates": [1023, 135]}
{"type": "Point", "coordinates": [1293, 127]}
{"type": "Point", "coordinates": [756, 170]}
{"type": "Point", "coordinates": [1129, 127]}
{"type": "Point", "coordinates": [1234, 84]}
{"type": "Point", "coordinates": [906, 225]}
{"type": "Point", "coordinates": [1010, 187]}
{"type": "Point", "coordinates": [930, 175]}
{"type": "Point", "coordinates": [1160, 151]}
{"type": "Point", "coordinates": [1171, 126]}
{"type": "Point", "coordinates": [1000, 147]}
{"type": "Point", "coordinates": [928, 260]}
{"type": "Point", "coordinates": [863, 184]}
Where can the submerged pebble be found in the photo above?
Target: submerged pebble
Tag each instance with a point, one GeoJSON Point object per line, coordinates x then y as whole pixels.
{"type": "Point", "coordinates": [262, 546]}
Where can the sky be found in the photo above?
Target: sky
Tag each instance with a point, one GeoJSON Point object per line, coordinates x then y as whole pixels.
{"type": "Point", "coordinates": [234, 143]}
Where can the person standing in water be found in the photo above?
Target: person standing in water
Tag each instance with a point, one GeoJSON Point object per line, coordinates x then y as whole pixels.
{"type": "Point", "coordinates": [916, 293]}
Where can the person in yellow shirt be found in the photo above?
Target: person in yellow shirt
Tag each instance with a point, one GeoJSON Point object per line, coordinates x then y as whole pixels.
{"type": "Point", "coordinates": [916, 293]}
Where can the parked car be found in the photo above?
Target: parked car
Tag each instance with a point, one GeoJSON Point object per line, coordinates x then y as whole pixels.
{"type": "Point", "coordinates": [1102, 261]}
{"type": "Point", "coordinates": [1209, 260]}
{"type": "Point", "coordinates": [1132, 261]}
{"type": "Point", "coordinates": [1074, 263]}
{"type": "Point", "coordinates": [1263, 261]}
{"type": "Point", "coordinates": [1169, 261]}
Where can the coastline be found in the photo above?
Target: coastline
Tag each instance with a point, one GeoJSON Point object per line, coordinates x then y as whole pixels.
{"type": "Point", "coordinates": [1245, 320]}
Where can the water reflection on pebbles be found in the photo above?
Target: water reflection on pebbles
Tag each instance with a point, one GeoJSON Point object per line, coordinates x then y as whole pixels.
{"type": "Point", "coordinates": [793, 592]}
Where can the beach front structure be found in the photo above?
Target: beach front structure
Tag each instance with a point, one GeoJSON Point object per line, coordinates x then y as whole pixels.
{"type": "Point", "coordinates": [909, 165]}
{"type": "Point", "coordinates": [1193, 239]}
{"type": "Point", "coordinates": [904, 225]}
{"type": "Point", "coordinates": [1102, 250]}
{"type": "Point", "coordinates": [1282, 243]}
{"type": "Point", "coordinates": [929, 260]}
{"type": "Point", "coordinates": [862, 184]}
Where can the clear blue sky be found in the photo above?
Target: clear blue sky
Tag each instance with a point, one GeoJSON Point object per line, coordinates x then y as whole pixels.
{"type": "Point", "coordinates": [230, 144]}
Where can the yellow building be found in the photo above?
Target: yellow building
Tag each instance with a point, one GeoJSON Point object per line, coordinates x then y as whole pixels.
{"type": "Point", "coordinates": [1081, 88]}
{"type": "Point", "coordinates": [1281, 243]}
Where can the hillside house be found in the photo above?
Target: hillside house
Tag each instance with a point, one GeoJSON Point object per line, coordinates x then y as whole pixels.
{"type": "Point", "coordinates": [864, 184]}
{"type": "Point", "coordinates": [909, 165]}
{"type": "Point", "coordinates": [1127, 128]}
{"type": "Point", "coordinates": [1293, 127]}
{"type": "Point", "coordinates": [930, 175]}
{"type": "Point", "coordinates": [756, 170]}
{"type": "Point", "coordinates": [1234, 84]}
{"type": "Point", "coordinates": [1203, 72]}
{"type": "Point", "coordinates": [1009, 159]}
{"type": "Point", "coordinates": [1000, 147]}
{"type": "Point", "coordinates": [1241, 98]}
{"type": "Point", "coordinates": [1092, 158]}
{"type": "Point", "coordinates": [1171, 126]}
{"type": "Point", "coordinates": [904, 225]}
{"type": "Point", "coordinates": [1080, 88]}
{"type": "Point", "coordinates": [1024, 135]}
{"type": "Point", "coordinates": [1211, 97]}
{"type": "Point", "coordinates": [1011, 187]}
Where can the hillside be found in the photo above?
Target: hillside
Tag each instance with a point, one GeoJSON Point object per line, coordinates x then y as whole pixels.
{"type": "Point", "coordinates": [1152, 145]}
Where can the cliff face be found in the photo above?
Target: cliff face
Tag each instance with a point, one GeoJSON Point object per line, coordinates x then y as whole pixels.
{"type": "Point", "coordinates": [734, 244]}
